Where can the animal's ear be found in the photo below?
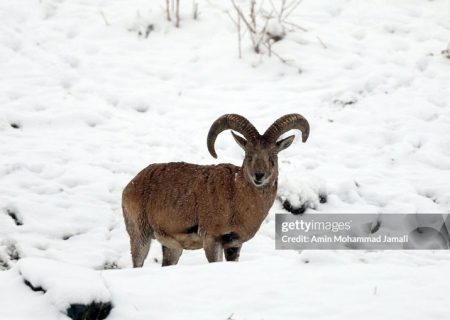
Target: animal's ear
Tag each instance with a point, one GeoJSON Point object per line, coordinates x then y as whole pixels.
{"type": "Point", "coordinates": [240, 141]}
{"type": "Point", "coordinates": [284, 143]}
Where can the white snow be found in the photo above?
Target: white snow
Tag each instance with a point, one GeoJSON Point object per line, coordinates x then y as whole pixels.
{"type": "Point", "coordinates": [281, 288]}
{"type": "Point", "coordinates": [63, 283]}
{"type": "Point", "coordinates": [87, 101]}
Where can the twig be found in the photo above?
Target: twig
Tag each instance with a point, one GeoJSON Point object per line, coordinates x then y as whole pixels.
{"type": "Point", "coordinates": [168, 11]}
{"type": "Point", "coordinates": [239, 11]}
{"type": "Point", "coordinates": [177, 23]}
{"type": "Point", "coordinates": [238, 26]}
{"type": "Point", "coordinates": [283, 7]}
{"type": "Point", "coordinates": [231, 17]}
{"type": "Point", "coordinates": [253, 14]}
{"type": "Point", "coordinates": [261, 6]}
{"type": "Point", "coordinates": [323, 44]}
{"type": "Point", "coordinates": [296, 25]}
{"type": "Point", "coordinates": [256, 22]}
{"type": "Point", "coordinates": [266, 15]}
{"type": "Point", "coordinates": [235, 22]}
{"type": "Point", "coordinates": [239, 36]}
{"type": "Point", "coordinates": [263, 33]}
{"type": "Point", "coordinates": [194, 10]}
{"type": "Point", "coordinates": [291, 4]}
{"type": "Point", "coordinates": [104, 17]}
{"type": "Point", "coordinates": [291, 10]}
{"type": "Point", "coordinates": [277, 55]}
{"type": "Point", "coordinates": [249, 26]}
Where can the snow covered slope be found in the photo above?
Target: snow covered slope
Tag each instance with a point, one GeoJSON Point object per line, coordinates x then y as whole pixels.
{"type": "Point", "coordinates": [85, 103]}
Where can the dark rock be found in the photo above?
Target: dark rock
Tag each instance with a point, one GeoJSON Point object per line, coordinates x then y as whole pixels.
{"type": "Point", "coordinates": [345, 103]}
{"type": "Point", "coordinates": [323, 198]}
{"type": "Point", "coordinates": [13, 252]}
{"type": "Point", "coordinates": [149, 29]}
{"type": "Point", "coordinates": [93, 311]}
{"type": "Point", "coordinates": [36, 289]}
{"type": "Point", "coordinates": [288, 207]}
{"type": "Point", "coordinates": [376, 227]}
{"type": "Point", "coordinates": [4, 265]}
{"type": "Point", "coordinates": [78, 311]}
{"type": "Point", "coordinates": [110, 265]}
{"type": "Point", "coordinates": [13, 215]}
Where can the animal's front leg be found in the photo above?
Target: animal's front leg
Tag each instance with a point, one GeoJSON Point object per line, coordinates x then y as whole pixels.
{"type": "Point", "coordinates": [213, 249]}
{"type": "Point", "coordinates": [232, 253]}
{"type": "Point", "coordinates": [170, 255]}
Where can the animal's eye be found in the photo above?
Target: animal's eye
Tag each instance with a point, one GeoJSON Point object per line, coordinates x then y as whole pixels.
{"type": "Point", "coordinates": [272, 161]}
{"type": "Point", "coordinates": [249, 158]}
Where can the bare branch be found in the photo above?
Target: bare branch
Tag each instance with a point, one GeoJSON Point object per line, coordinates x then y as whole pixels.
{"type": "Point", "coordinates": [257, 20]}
{"type": "Point", "coordinates": [277, 55]}
{"type": "Point", "coordinates": [296, 4]}
{"type": "Point", "coordinates": [263, 33]}
{"type": "Point", "coordinates": [253, 13]}
{"type": "Point", "coordinates": [261, 6]}
{"type": "Point", "coordinates": [231, 17]}
{"type": "Point", "coordinates": [239, 11]}
{"type": "Point", "coordinates": [283, 7]}
{"type": "Point", "coordinates": [168, 11]}
{"type": "Point", "coordinates": [295, 25]}
{"type": "Point", "coordinates": [290, 4]}
{"type": "Point", "coordinates": [239, 37]}
{"type": "Point", "coordinates": [194, 9]}
{"type": "Point", "coordinates": [323, 44]}
{"type": "Point", "coordinates": [273, 7]}
{"type": "Point", "coordinates": [104, 17]}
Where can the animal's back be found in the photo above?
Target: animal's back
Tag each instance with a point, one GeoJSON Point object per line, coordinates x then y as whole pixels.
{"type": "Point", "coordinates": [173, 197]}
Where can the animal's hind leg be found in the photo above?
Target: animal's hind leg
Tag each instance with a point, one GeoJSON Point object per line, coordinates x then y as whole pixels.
{"type": "Point", "coordinates": [170, 256]}
{"type": "Point", "coordinates": [139, 250]}
{"type": "Point", "coordinates": [140, 237]}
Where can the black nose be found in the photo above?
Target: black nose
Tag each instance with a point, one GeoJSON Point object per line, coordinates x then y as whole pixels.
{"type": "Point", "coordinates": [259, 176]}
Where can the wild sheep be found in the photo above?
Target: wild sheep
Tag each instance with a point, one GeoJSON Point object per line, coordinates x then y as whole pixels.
{"type": "Point", "coordinates": [215, 207]}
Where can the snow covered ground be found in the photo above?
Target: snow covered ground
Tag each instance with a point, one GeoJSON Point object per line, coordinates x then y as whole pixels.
{"type": "Point", "coordinates": [85, 103]}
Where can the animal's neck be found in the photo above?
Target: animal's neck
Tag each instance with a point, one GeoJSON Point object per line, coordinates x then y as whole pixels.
{"type": "Point", "coordinates": [251, 204]}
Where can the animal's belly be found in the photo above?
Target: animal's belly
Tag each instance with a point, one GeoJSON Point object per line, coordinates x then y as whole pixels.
{"type": "Point", "coordinates": [190, 241]}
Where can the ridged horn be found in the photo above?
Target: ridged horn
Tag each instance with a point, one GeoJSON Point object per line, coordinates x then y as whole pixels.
{"type": "Point", "coordinates": [286, 123]}
{"type": "Point", "coordinates": [234, 122]}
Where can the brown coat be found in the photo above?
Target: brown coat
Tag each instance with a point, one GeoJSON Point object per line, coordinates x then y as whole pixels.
{"type": "Point", "coordinates": [176, 198]}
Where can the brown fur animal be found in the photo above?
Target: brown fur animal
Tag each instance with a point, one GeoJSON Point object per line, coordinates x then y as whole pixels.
{"type": "Point", "coordinates": [214, 207]}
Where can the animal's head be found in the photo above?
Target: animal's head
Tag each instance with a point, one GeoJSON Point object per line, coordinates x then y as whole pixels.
{"type": "Point", "coordinates": [260, 165]}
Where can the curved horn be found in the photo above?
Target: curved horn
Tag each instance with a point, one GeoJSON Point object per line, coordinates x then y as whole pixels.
{"type": "Point", "coordinates": [286, 123]}
{"type": "Point", "coordinates": [234, 122]}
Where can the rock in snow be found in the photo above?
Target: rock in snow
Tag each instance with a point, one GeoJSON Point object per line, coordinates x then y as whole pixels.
{"type": "Point", "coordinates": [77, 291]}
